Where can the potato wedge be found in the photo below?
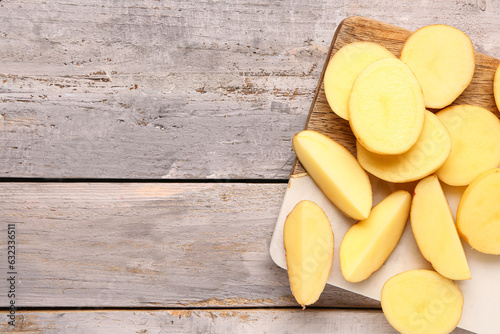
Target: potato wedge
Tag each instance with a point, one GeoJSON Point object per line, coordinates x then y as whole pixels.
{"type": "Point", "coordinates": [478, 215]}
{"type": "Point", "coordinates": [343, 69]}
{"type": "Point", "coordinates": [424, 158]}
{"type": "Point", "coordinates": [475, 143]}
{"type": "Point", "coordinates": [443, 60]}
{"type": "Point", "coordinates": [422, 302]}
{"type": "Point", "coordinates": [386, 107]}
{"type": "Point", "coordinates": [496, 87]}
{"type": "Point", "coordinates": [308, 239]}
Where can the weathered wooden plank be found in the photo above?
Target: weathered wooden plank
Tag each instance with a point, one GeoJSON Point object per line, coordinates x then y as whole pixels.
{"type": "Point", "coordinates": [204, 321]}
{"type": "Point", "coordinates": [178, 89]}
{"type": "Point", "coordinates": [147, 245]}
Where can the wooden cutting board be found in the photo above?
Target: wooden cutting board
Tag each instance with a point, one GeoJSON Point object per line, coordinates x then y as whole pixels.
{"type": "Point", "coordinates": [482, 292]}
{"type": "Point", "coordinates": [361, 29]}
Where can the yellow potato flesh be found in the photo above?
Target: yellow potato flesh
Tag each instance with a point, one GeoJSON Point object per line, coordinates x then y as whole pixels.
{"type": "Point", "coordinates": [367, 244]}
{"type": "Point", "coordinates": [424, 158]}
{"type": "Point", "coordinates": [422, 302]}
{"type": "Point", "coordinates": [435, 231]}
{"type": "Point", "coordinates": [475, 143]}
{"type": "Point", "coordinates": [343, 69]}
{"type": "Point", "coordinates": [496, 87]}
{"type": "Point", "coordinates": [478, 216]}
{"type": "Point", "coordinates": [308, 239]}
{"type": "Point", "coordinates": [386, 107]}
{"type": "Point", "coordinates": [442, 58]}
{"type": "Point", "coordinates": [336, 172]}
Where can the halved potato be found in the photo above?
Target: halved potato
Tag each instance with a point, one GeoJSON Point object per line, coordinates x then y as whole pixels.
{"type": "Point", "coordinates": [496, 87]}
{"type": "Point", "coordinates": [478, 215]}
{"type": "Point", "coordinates": [308, 239]}
{"type": "Point", "coordinates": [475, 143]}
{"type": "Point", "coordinates": [424, 158]}
{"type": "Point", "coordinates": [343, 69]}
{"type": "Point", "coordinates": [435, 231]}
{"type": "Point", "coordinates": [386, 107]}
{"type": "Point", "coordinates": [422, 302]}
{"type": "Point", "coordinates": [336, 172]}
{"type": "Point", "coordinates": [443, 60]}
{"type": "Point", "coordinates": [367, 244]}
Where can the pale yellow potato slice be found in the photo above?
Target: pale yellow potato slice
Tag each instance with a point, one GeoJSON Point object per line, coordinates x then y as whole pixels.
{"type": "Point", "coordinates": [496, 87]}
{"type": "Point", "coordinates": [442, 58]}
{"type": "Point", "coordinates": [309, 241]}
{"type": "Point", "coordinates": [422, 302]}
{"type": "Point", "coordinates": [475, 143]}
{"type": "Point", "coordinates": [478, 215]}
{"type": "Point", "coordinates": [386, 107]}
{"type": "Point", "coordinates": [344, 67]}
{"type": "Point", "coordinates": [367, 244]}
{"type": "Point", "coordinates": [336, 172]}
{"type": "Point", "coordinates": [435, 231]}
{"type": "Point", "coordinates": [424, 158]}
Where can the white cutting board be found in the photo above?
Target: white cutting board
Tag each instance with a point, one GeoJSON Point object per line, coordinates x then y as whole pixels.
{"type": "Point", "coordinates": [481, 313]}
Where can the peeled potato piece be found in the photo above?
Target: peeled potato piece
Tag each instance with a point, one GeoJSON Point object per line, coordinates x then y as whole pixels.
{"type": "Point", "coordinates": [386, 107]}
{"type": "Point", "coordinates": [442, 58]}
{"type": "Point", "coordinates": [343, 69]}
{"type": "Point", "coordinates": [496, 87]}
{"type": "Point", "coordinates": [435, 231]}
{"type": "Point", "coordinates": [308, 239]}
{"type": "Point", "coordinates": [478, 215]}
{"type": "Point", "coordinates": [475, 143]}
{"type": "Point", "coordinates": [336, 172]}
{"type": "Point", "coordinates": [367, 244]}
{"type": "Point", "coordinates": [424, 158]}
{"type": "Point", "coordinates": [422, 302]}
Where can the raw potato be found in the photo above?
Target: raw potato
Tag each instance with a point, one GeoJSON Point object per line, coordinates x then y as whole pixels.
{"type": "Point", "coordinates": [435, 231]}
{"type": "Point", "coordinates": [336, 172]}
{"type": "Point", "coordinates": [496, 87]}
{"type": "Point", "coordinates": [478, 215]}
{"type": "Point", "coordinates": [343, 69]}
{"type": "Point", "coordinates": [422, 302]}
{"type": "Point", "coordinates": [367, 244]}
{"type": "Point", "coordinates": [424, 158]}
{"type": "Point", "coordinates": [386, 107]}
{"type": "Point", "coordinates": [308, 239]}
{"type": "Point", "coordinates": [475, 143]}
{"type": "Point", "coordinates": [442, 58]}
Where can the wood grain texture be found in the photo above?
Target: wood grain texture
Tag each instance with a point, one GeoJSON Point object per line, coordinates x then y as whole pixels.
{"type": "Point", "coordinates": [178, 89]}
{"type": "Point", "coordinates": [359, 29]}
{"type": "Point", "coordinates": [148, 245]}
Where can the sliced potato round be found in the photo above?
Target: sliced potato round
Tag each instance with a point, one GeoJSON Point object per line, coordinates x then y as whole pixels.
{"type": "Point", "coordinates": [386, 107]}
{"type": "Point", "coordinates": [496, 87]}
{"type": "Point", "coordinates": [422, 301]}
{"type": "Point", "coordinates": [308, 239]}
{"type": "Point", "coordinates": [478, 215]}
{"type": "Point", "coordinates": [424, 158]}
{"type": "Point", "coordinates": [475, 143]}
{"type": "Point", "coordinates": [442, 58]}
{"type": "Point", "coordinates": [343, 69]}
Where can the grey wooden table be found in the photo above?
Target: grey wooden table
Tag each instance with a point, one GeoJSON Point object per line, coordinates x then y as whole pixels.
{"type": "Point", "coordinates": [145, 150]}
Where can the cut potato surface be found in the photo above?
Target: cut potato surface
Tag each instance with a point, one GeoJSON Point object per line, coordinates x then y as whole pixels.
{"type": "Point", "coordinates": [343, 69]}
{"type": "Point", "coordinates": [442, 58]}
{"type": "Point", "coordinates": [424, 158]}
{"type": "Point", "coordinates": [422, 302]}
{"type": "Point", "coordinates": [478, 215]}
{"type": "Point", "coordinates": [475, 143]}
{"type": "Point", "coordinates": [367, 244]}
{"type": "Point", "coordinates": [435, 231]}
{"type": "Point", "coordinates": [496, 87]}
{"type": "Point", "coordinates": [336, 172]}
{"type": "Point", "coordinates": [386, 107]}
{"type": "Point", "coordinates": [308, 239]}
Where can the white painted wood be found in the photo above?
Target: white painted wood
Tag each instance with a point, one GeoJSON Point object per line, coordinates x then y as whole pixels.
{"type": "Point", "coordinates": [178, 89]}
{"type": "Point", "coordinates": [148, 245]}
